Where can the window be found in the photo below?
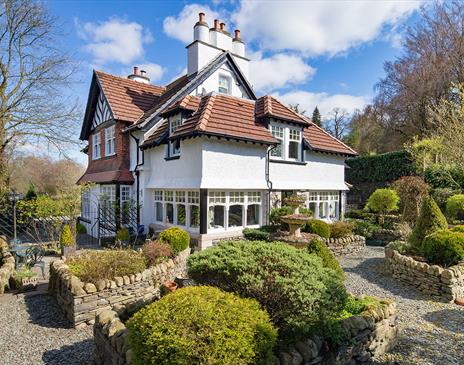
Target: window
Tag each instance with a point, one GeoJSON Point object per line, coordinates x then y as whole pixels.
{"type": "Point", "coordinates": [224, 84]}
{"type": "Point", "coordinates": [109, 140]}
{"type": "Point", "coordinates": [96, 146]}
{"type": "Point", "coordinates": [194, 212]}
{"type": "Point", "coordinates": [178, 207]}
{"type": "Point", "coordinates": [294, 143]}
{"type": "Point", "coordinates": [324, 204]}
{"type": "Point", "coordinates": [107, 201]}
{"type": "Point", "coordinates": [174, 146]}
{"type": "Point", "coordinates": [86, 203]}
{"type": "Point", "coordinates": [253, 214]}
{"type": "Point", "coordinates": [236, 201]}
{"type": "Point", "coordinates": [125, 196]}
{"type": "Point", "coordinates": [278, 133]}
{"type": "Point", "coordinates": [158, 196]}
{"type": "Point", "coordinates": [216, 216]}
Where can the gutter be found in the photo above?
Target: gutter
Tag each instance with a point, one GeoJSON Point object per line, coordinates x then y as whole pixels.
{"type": "Point", "coordinates": [137, 174]}
{"type": "Point", "coordinates": [268, 181]}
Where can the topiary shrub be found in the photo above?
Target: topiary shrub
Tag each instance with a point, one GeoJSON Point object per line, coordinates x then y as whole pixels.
{"type": "Point", "coordinates": [66, 238]}
{"type": "Point", "coordinates": [411, 190]}
{"type": "Point", "coordinates": [175, 237]}
{"type": "Point", "coordinates": [201, 325]}
{"type": "Point", "coordinates": [341, 229]}
{"type": "Point", "coordinates": [430, 220]}
{"type": "Point", "coordinates": [445, 248]}
{"type": "Point", "coordinates": [291, 284]}
{"type": "Point", "coordinates": [320, 249]}
{"type": "Point", "coordinates": [455, 207]}
{"type": "Point", "coordinates": [256, 234]}
{"type": "Point", "coordinates": [123, 235]}
{"type": "Point", "coordinates": [80, 228]}
{"type": "Point", "coordinates": [277, 213]}
{"type": "Point", "coordinates": [382, 202]}
{"type": "Point", "coordinates": [317, 227]}
{"type": "Point", "coordinates": [156, 252]}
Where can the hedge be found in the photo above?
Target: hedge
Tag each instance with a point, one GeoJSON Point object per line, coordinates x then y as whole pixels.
{"type": "Point", "coordinates": [201, 325]}
{"type": "Point", "coordinates": [445, 248]}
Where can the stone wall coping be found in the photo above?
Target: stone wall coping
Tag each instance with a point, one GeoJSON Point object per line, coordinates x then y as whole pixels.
{"type": "Point", "coordinates": [7, 264]}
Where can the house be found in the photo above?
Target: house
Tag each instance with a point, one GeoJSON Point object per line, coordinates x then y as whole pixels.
{"type": "Point", "coordinates": [203, 152]}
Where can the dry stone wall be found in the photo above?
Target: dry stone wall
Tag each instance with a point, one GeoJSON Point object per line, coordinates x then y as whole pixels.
{"type": "Point", "coordinates": [345, 245]}
{"type": "Point", "coordinates": [82, 301]}
{"type": "Point", "coordinates": [444, 285]}
{"type": "Point", "coordinates": [7, 264]}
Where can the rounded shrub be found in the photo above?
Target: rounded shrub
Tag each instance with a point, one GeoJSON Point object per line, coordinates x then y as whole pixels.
{"type": "Point", "coordinates": [66, 238]}
{"type": "Point", "coordinates": [430, 220]}
{"type": "Point", "coordinates": [201, 325]}
{"type": "Point", "coordinates": [320, 249]}
{"type": "Point", "coordinates": [256, 234]}
{"type": "Point", "coordinates": [175, 237]}
{"type": "Point", "coordinates": [290, 283]}
{"type": "Point", "coordinates": [382, 202]}
{"type": "Point", "coordinates": [341, 229]}
{"type": "Point", "coordinates": [455, 207]}
{"type": "Point", "coordinates": [317, 227]}
{"type": "Point", "coordinates": [445, 248]}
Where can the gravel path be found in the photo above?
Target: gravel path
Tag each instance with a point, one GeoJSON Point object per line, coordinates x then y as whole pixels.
{"type": "Point", "coordinates": [34, 331]}
{"type": "Point", "coordinates": [431, 333]}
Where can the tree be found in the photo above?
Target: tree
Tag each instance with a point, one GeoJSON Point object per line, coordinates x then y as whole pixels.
{"type": "Point", "coordinates": [34, 72]}
{"type": "Point", "coordinates": [317, 117]}
{"type": "Point", "coordinates": [337, 124]}
{"type": "Point", "coordinates": [296, 108]}
{"type": "Point", "coordinates": [383, 201]}
{"type": "Point", "coordinates": [412, 190]}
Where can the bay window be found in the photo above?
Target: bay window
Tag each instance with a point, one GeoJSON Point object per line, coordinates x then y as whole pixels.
{"type": "Point", "coordinates": [177, 207]}
{"type": "Point", "coordinates": [216, 209]}
{"type": "Point", "coordinates": [324, 205]}
{"type": "Point", "coordinates": [193, 208]}
{"type": "Point", "coordinates": [236, 202]}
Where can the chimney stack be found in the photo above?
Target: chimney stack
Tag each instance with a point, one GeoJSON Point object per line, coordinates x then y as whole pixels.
{"type": "Point", "coordinates": [201, 17]}
{"type": "Point", "coordinates": [142, 73]}
{"type": "Point", "coordinates": [216, 24]}
{"type": "Point", "coordinates": [223, 27]}
{"type": "Point", "coordinates": [142, 77]}
{"type": "Point", "coordinates": [136, 70]}
{"type": "Point", "coordinates": [237, 34]}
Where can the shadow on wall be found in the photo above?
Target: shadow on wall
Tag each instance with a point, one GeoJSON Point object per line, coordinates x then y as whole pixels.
{"type": "Point", "coordinates": [78, 353]}
{"type": "Point", "coordinates": [44, 311]}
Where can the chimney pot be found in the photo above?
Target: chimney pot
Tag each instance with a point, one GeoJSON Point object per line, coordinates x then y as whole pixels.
{"type": "Point", "coordinates": [201, 17]}
{"type": "Point", "coordinates": [136, 70]}
{"type": "Point", "coordinates": [237, 33]}
{"type": "Point", "coordinates": [216, 24]}
{"type": "Point", "coordinates": [223, 26]}
{"type": "Point", "coordinates": [142, 73]}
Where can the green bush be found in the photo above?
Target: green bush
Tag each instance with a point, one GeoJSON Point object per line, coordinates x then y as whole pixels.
{"type": "Point", "coordinates": [441, 195]}
{"type": "Point", "coordinates": [277, 213]}
{"type": "Point", "coordinates": [341, 229]}
{"type": "Point", "coordinates": [445, 248]}
{"type": "Point", "coordinates": [256, 234]}
{"type": "Point", "coordinates": [365, 228]}
{"type": "Point", "coordinates": [123, 235]}
{"type": "Point", "coordinates": [402, 247]}
{"type": "Point", "coordinates": [382, 202]}
{"type": "Point", "coordinates": [91, 266]}
{"type": "Point", "coordinates": [444, 177]}
{"type": "Point", "coordinates": [156, 252]}
{"type": "Point", "coordinates": [176, 237]}
{"type": "Point", "coordinates": [320, 249]}
{"type": "Point", "coordinates": [459, 228]}
{"type": "Point", "coordinates": [306, 211]}
{"type": "Point", "coordinates": [80, 228]}
{"type": "Point", "coordinates": [455, 207]}
{"type": "Point", "coordinates": [317, 227]}
{"type": "Point", "coordinates": [291, 284]}
{"type": "Point", "coordinates": [430, 220]}
{"type": "Point", "coordinates": [66, 238]}
{"type": "Point", "coordinates": [201, 325]}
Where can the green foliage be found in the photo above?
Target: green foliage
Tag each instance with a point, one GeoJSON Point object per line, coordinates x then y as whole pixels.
{"type": "Point", "coordinates": [91, 266]}
{"type": "Point", "coordinates": [176, 237]}
{"type": "Point", "coordinates": [411, 191]}
{"type": "Point", "coordinates": [277, 213]}
{"type": "Point", "coordinates": [440, 176]}
{"type": "Point", "coordinates": [430, 220]}
{"type": "Point", "coordinates": [18, 276]}
{"type": "Point", "coordinates": [201, 325]}
{"type": "Point", "coordinates": [459, 228]}
{"type": "Point", "coordinates": [66, 237]}
{"type": "Point", "coordinates": [80, 228]}
{"type": "Point", "coordinates": [31, 192]}
{"type": "Point", "coordinates": [341, 229]}
{"type": "Point", "coordinates": [256, 234]}
{"type": "Point", "coordinates": [291, 284]}
{"type": "Point", "coordinates": [455, 207]}
{"type": "Point", "coordinates": [123, 235]}
{"type": "Point", "coordinates": [306, 211]}
{"type": "Point", "coordinates": [441, 195]}
{"type": "Point", "coordinates": [156, 252]}
{"type": "Point", "coordinates": [318, 227]}
{"type": "Point", "coordinates": [316, 119]}
{"type": "Point", "coordinates": [365, 228]}
{"type": "Point", "coordinates": [383, 201]}
{"type": "Point", "coordinates": [380, 168]}
{"type": "Point", "coordinates": [320, 249]}
{"type": "Point", "coordinates": [445, 248]}
{"type": "Point", "coordinates": [402, 247]}
{"type": "Point", "coordinates": [424, 152]}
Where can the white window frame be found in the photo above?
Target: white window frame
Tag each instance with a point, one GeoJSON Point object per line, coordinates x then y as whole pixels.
{"type": "Point", "coordinates": [227, 87]}
{"type": "Point", "coordinates": [110, 141]}
{"type": "Point", "coordinates": [286, 134]}
{"type": "Point", "coordinates": [125, 194]}
{"type": "Point", "coordinates": [188, 198]}
{"type": "Point", "coordinates": [85, 203]}
{"type": "Point", "coordinates": [96, 146]}
{"type": "Point", "coordinates": [296, 137]}
{"type": "Point", "coordinates": [279, 133]}
{"type": "Point", "coordinates": [175, 121]}
{"type": "Point", "coordinates": [325, 198]}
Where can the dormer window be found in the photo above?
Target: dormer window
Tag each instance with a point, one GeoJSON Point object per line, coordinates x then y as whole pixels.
{"type": "Point", "coordinates": [96, 146]}
{"type": "Point", "coordinates": [289, 142]}
{"type": "Point", "coordinates": [175, 122]}
{"type": "Point", "coordinates": [225, 84]}
{"type": "Point", "coordinates": [294, 144]}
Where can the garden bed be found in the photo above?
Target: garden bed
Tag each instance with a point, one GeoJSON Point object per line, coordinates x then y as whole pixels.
{"type": "Point", "coordinates": [81, 301]}
{"type": "Point", "coordinates": [7, 264]}
{"type": "Point", "coordinates": [441, 284]}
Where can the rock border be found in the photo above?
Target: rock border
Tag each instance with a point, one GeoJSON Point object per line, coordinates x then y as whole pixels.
{"type": "Point", "coordinates": [441, 284]}
{"type": "Point", "coordinates": [345, 245]}
{"type": "Point", "coordinates": [82, 301]}
{"type": "Point", "coordinates": [7, 264]}
{"type": "Point", "coordinates": [370, 334]}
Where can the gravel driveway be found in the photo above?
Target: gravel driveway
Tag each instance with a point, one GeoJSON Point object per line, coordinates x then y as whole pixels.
{"type": "Point", "coordinates": [34, 331]}
{"type": "Point", "coordinates": [430, 333]}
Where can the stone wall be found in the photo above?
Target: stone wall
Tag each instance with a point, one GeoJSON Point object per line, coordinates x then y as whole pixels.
{"type": "Point", "coordinates": [444, 285]}
{"type": "Point", "coordinates": [81, 301]}
{"type": "Point", "coordinates": [370, 334]}
{"type": "Point", "coordinates": [7, 264]}
{"type": "Point", "coordinates": [345, 245]}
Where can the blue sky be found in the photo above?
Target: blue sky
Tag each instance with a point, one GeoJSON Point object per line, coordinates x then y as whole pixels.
{"type": "Point", "coordinates": [327, 53]}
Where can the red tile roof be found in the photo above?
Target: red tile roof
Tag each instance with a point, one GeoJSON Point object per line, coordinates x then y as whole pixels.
{"type": "Point", "coordinates": [188, 102]}
{"type": "Point", "coordinates": [268, 106]}
{"type": "Point", "coordinates": [121, 176]}
{"type": "Point", "coordinates": [128, 99]}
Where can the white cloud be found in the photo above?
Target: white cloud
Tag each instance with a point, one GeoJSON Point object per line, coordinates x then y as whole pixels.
{"type": "Point", "coordinates": [181, 27]}
{"type": "Point", "coordinates": [278, 71]}
{"type": "Point", "coordinates": [318, 27]}
{"type": "Point", "coordinates": [115, 40]}
{"type": "Point", "coordinates": [324, 101]}
{"type": "Point", "coordinates": [154, 71]}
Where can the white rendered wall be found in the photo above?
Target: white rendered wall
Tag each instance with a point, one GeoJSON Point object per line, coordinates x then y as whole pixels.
{"type": "Point", "coordinates": [133, 149]}
{"type": "Point", "coordinates": [199, 55]}
{"type": "Point", "coordinates": [322, 172]}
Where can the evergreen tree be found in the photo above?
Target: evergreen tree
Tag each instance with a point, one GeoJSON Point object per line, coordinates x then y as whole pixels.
{"type": "Point", "coordinates": [31, 192]}
{"type": "Point", "coordinates": [317, 117]}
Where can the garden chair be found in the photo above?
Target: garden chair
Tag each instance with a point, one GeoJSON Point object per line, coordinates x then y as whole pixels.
{"type": "Point", "coordinates": [34, 257]}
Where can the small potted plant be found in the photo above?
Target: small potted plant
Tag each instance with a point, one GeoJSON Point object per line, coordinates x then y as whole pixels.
{"type": "Point", "coordinates": [168, 287]}
{"type": "Point", "coordinates": [123, 237]}
{"type": "Point", "coordinates": [67, 243]}
{"type": "Point", "coordinates": [24, 280]}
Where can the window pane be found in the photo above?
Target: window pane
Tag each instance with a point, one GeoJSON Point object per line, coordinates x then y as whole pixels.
{"type": "Point", "coordinates": [194, 216]}
{"type": "Point", "coordinates": [216, 216]}
{"type": "Point", "coordinates": [236, 216]}
{"type": "Point", "coordinates": [194, 197]}
{"type": "Point", "coordinates": [253, 214]}
{"type": "Point", "coordinates": [180, 196]}
{"type": "Point", "coordinates": [333, 208]}
{"type": "Point", "coordinates": [312, 208]}
{"type": "Point", "coordinates": [181, 214]}
{"type": "Point", "coordinates": [159, 211]}
{"type": "Point", "coordinates": [277, 151]}
{"type": "Point", "coordinates": [293, 148]}
{"type": "Point", "coordinates": [169, 213]}
{"type": "Point", "coordinates": [323, 207]}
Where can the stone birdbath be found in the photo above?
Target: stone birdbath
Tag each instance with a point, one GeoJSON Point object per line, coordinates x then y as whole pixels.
{"type": "Point", "coordinates": [295, 220]}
